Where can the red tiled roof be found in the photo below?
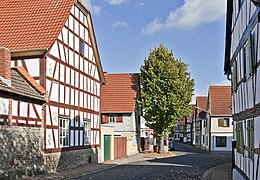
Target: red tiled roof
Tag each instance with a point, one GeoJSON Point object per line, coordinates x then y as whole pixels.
{"type": "Point", "coordinates": [201, 102]}
{"type": "Point", "coordinates": [182, 122]}
{"type": "Point", "coordinates": [192, 112]}
{"type": "Point", "coordinates": [32, 24]}
{"type": "Point", "coordinates": [220, 100]}
{"type": "Point", "coordinates": [119, 93]}
{"type": "Point", "coordinates": [21, 88]}
{"type": "Point", "coordinates": [30, 80]}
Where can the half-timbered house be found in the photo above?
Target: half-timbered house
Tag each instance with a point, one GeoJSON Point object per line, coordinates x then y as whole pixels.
{"type": "Point", "coordinates": [179, 130]}
{"type": "Point", "coordinates": [22, 102]}
{"type": "Point", "coordinates": [242, 62]}
{"type": "Point", "coordinates": [189, 122]}
{"type": "Point", "coordinates": [119, 108]}
{"type": "Point", "coordinates": [200, 121]}
{"type": "Point", "coordinates": [54, 42]}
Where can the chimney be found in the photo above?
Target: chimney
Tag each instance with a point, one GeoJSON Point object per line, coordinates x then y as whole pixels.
{"type": "Point", "coordinates": [5, 65]}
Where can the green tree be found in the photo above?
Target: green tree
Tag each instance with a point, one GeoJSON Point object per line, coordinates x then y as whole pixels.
{"type": "Point", "coordinates": [167, 89]}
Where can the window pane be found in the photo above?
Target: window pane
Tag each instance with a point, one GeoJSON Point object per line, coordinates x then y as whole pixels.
{"type": "Point", "coordinates": [64, 132]}
{"type": "Point", "coordinates": [221, 141]}
{"type": "Point", "coordinates": [81, 47]}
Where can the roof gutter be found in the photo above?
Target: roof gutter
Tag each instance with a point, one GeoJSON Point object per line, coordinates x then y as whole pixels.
{"type": "Point", "coordinates": [26, 54]}
{"type": "Point", "coordinates": [19, 97]}
{"type": "Point", "coordinates": [227, 66]}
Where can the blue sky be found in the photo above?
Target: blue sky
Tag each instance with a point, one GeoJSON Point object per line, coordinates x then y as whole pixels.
{"type": "Point", "coordinates": [126, 30]}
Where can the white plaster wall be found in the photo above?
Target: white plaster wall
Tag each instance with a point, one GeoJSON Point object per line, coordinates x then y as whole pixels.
{"type": "Point", "coordinates": [128, 124]}
{"type": "Point", "coordinates": [107, 130]}
{"type": "Point", "coordinates": [193, 132]}
{"type": "Point", "coordinates": [131, 143]}
{"type": "Point", "coordinates": [203, 132]}
{"type": "Point", "coordinates": [127, 129]}
{"type": "Point", "coordinates": [229, 142]}
{"type": "Point", "coordinates": [256, 141]}
{"type": "Point", "coordinates": [142, 122]}
{"type": "Point", "coordinates": [3, 106]}
{"type": "Point", "coordinates": [215, 128]}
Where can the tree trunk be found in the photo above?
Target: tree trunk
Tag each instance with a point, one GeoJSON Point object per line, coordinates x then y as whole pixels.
{"type": "Point", "coordinates": [167, 143]}
{"type": "Point", "coordinates": [161, 144]}
{"type": "Point", "coordinates": [161, 140]}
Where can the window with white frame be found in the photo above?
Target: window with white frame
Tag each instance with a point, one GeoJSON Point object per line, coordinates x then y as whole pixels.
{"type": "Point", "coordinates": [223, 122]}
{"type": "Point", "coordinates": [87, 126]}
{"type": "Point", "coordinates": [221, 141]}
{"type": "Point", "coordinates": [112, 118]}
{"type": "Point", "coordinates": [64, 132]}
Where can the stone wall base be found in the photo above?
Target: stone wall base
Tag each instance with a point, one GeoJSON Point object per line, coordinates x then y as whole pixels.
{"type": "Point", "coordinates": [22, 154]}
{"type": "Point", "coordinates": [70, 159]}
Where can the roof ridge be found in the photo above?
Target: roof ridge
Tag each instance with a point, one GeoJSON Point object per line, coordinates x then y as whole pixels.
{"type": "Point", "coordinates": [219, 86]}
{"type": "Point", "coordinates": [120, 73]}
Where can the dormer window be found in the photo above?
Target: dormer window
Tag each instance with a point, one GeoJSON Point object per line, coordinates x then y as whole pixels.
{"type": "Point", "coordinates": [81, 49]}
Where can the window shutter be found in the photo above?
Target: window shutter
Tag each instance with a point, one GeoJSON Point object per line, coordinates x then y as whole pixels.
{"type": "Point", "coordinates": [238, 136]}
{"type": "Point", "coordinates": [119, 118]}
{"type": "Point", "coordinates": [104, 118]}
{"type": "Point", "coordinates": [250, 129]}
{"type": "Point", "coordinates": [220, 122]}
{"type": "Point", "coordinates": [250, 53]}
{"type": "Point", "coordinates": [235, 76]}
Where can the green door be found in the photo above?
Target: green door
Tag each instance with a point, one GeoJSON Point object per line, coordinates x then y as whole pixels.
{"type": "Point", "coordinates": [107, 147]}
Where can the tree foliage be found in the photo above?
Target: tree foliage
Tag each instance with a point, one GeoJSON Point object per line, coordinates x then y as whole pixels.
{"type": "Point", "coordinates": [167, 89]}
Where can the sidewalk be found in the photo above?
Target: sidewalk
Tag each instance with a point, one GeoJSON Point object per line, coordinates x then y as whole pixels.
{"type": "Point", "coordinates": [73, 173]}
{"type": "Point", "coordinates": [222, 172]}
{"type": "Point", "coordinates": [92, 168]}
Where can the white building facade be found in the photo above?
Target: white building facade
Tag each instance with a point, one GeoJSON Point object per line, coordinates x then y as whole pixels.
{"type": "Point", "coordinates": [242, 67]}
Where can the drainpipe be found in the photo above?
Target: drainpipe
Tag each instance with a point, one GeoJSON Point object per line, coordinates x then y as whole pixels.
{"type": "Point", "coordinates": [210, 133]}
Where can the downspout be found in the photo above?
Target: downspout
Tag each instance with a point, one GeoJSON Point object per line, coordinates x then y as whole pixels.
{"type": "Point", "coordinates": [209, 133]}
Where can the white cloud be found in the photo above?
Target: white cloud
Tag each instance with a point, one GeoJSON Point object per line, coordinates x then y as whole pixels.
{"type": "Point", "coordinates": [120, 24]}
{"type": "Point", "coordinates": [223, 83]}
{"type": "Point", "coordinates": [190, 15]}
{"type": "Point", "coordinates": [199, 92]}
{"type": "Point", "coordinates": [116, 2]}
{"type": "Point", "coordinates": [139, 6]}
{"type": "Point", "coordinates": [93, 8]}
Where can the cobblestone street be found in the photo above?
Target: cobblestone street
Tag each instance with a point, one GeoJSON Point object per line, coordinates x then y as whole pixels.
{"type": "Point", "coordinates": [189, 163]}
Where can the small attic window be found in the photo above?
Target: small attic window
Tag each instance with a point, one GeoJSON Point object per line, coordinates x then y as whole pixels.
{"type": "Point", "coordinates": [81, 47]}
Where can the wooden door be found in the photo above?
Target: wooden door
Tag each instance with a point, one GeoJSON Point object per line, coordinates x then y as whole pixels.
{"type": "Point", "coordinates": [107, 147]}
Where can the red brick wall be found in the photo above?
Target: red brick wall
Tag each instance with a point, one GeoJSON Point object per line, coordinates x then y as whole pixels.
{"type": "Point", "coordinates": [5, 63]}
